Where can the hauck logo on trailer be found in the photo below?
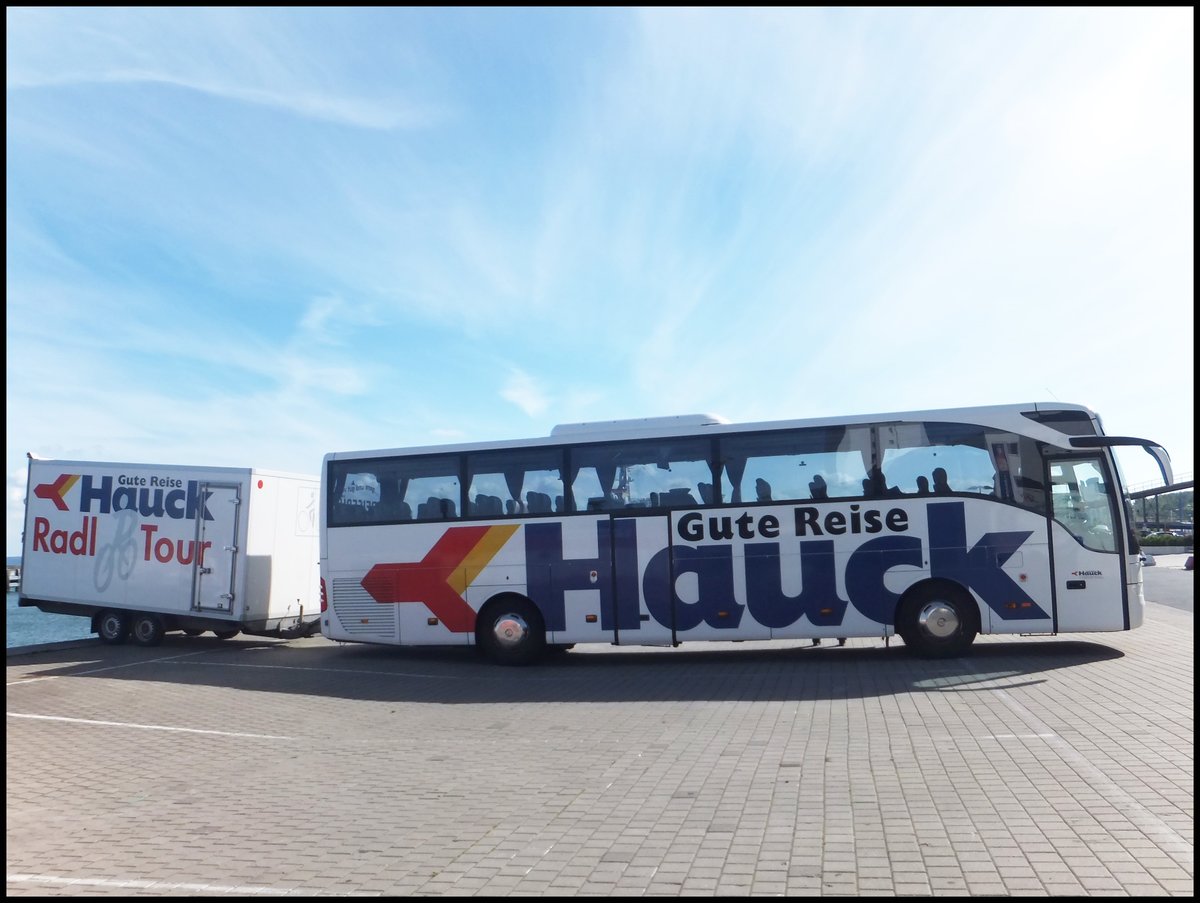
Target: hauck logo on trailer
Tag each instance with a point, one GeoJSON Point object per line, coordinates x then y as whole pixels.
{"type": "Point", "coordinates": [149, 496]}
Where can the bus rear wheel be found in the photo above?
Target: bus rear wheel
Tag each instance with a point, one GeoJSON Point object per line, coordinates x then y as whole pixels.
{"type": "Point", "coordinates": [511, 631]}
{"type": "Point", "coordinates": [938, 621]}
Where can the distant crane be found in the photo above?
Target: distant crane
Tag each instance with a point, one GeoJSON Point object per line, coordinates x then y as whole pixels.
{"type": "Point", "coordinates": [621, 493]}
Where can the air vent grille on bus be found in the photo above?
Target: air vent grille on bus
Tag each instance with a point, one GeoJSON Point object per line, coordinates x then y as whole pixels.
{"type": "Point", "coordinates": [359, 614]}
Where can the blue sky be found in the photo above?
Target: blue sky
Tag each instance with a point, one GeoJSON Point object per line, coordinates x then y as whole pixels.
{"type": "Point", "coordinates": [246, 237]}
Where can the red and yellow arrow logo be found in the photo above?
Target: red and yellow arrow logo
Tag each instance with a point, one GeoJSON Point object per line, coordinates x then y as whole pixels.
{"type": "Point", "coordinates": [440, 578]}
{"type": "Point", "coordinates": [56, 492]}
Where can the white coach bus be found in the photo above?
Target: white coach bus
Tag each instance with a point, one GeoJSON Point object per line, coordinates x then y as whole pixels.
{"type": "Point", "coordinates": [932, 525]}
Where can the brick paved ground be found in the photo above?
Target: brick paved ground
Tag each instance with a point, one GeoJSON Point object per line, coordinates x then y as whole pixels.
{"type": "Point", "coordinates": [1037, 766]}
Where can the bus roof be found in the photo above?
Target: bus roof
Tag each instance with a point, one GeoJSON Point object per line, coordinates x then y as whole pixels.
{"type": "Point", "coordinates": [1011, 417]}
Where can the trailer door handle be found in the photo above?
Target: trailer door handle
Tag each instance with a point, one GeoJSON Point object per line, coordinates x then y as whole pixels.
{"type": "Point", "coordinates": [205, 570]}
{"type": "Point", "coordinates": [231, 548]}
{"type": "Point", "coordinates": [1076, 584]}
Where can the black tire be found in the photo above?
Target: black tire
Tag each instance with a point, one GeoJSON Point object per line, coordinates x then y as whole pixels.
{"type": "Point", "coordinates": [511, 631]}
{"type": "Point", "coordinates": [147, 629]}
{"type": "Point", "coordinates": [192, 631]}
{"type": "Point", "coordinates": [113, 627]}
{"type": "Point", "coordinates": [938, 621]}
{"type": "Point", "coordinates": [225, 634]}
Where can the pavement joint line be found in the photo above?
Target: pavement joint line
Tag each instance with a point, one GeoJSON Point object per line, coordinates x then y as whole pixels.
{"type": "Point", "coordinates": [557, 679]}
{"type": "Point", "coordinates": [321, 670]}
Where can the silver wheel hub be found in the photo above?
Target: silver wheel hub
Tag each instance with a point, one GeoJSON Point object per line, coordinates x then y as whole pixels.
{"type": "Point", "coordinates": [510, 630]}
{"type": "Point", "coordinates": [938, 619]}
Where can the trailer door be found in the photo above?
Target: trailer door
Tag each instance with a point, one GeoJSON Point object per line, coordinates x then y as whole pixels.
{"type": "Point", "coordinates": [215, 572]}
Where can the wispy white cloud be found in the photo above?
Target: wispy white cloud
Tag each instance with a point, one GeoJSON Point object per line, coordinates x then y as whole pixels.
{"type": "Point", "coordinates": [260, 57]}
{"type": "Point", "coordinates": [344, 110]}
{"type": "Point", "coordinates": [523, 391]}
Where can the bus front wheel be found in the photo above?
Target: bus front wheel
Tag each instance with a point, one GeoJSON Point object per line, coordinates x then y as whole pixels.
{"type": "Point", "coordinates": [938, 621]}
{"type": "Point", "coordinates": [511, 631]}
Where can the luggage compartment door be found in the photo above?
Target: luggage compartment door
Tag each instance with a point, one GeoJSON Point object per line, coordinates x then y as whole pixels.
{"type": "Point", "coordinates": [215, 574]}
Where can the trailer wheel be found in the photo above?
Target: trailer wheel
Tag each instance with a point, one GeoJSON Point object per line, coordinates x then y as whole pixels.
{"type": "Point", "coordinates": [511, 631]}
{"type": "Point", "coordinates": [113, 627]}
{"type": "Point", "coordinates": [225, 634]}
{"type": "Point", "coordinates": [147, 629]}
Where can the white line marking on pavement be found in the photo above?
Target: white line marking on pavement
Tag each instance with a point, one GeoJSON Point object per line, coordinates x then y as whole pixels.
{"type": "Point", "coordinates": [148, 727]}
{"type": "Point", "coordinates": [152, 661]}
{"type": "Point", "coordinates": [1114, 793]}
{"type": "Point", "coordinates": [135, 884]}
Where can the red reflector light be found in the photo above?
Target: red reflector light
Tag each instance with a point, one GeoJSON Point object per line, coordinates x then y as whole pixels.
{"type": "Point", "coordinates": [324, 598]}
{"type": "Point", "coordinates": [591, 619]}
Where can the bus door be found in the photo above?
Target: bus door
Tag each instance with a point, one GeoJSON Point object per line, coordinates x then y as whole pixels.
{"type": "Point", "coordinates": [217, 539]}
{"type": "Point", "coordinates": [710, 573]}
{"type": "Point", "coordinates": [641, 579]}
{"type": "Point", "coordinates": [1089, 578]}
{"type": "Point", "coordinates": [689, 588]}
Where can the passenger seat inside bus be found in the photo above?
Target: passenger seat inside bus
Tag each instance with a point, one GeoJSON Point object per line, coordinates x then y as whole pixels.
{"type": "Point", "coordinates": [345, 513]}
{"type": "Point", "coordinates": [436, 509]}
{"type": "Point", "coordinates": [387, 511]}
{"type": "Point", "coordinates": [679, 498]}
{"type": "Point", "coordinates": [539, 502]}
{"type": "Point", "coordinates": [487, 506]}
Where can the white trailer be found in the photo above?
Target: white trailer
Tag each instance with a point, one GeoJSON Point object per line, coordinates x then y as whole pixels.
{"type": "Point", "coordinates": [142, 549]}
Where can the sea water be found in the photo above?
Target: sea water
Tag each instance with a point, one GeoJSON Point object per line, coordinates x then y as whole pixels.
{"type": "Point", "coordinates": [28, 626]}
